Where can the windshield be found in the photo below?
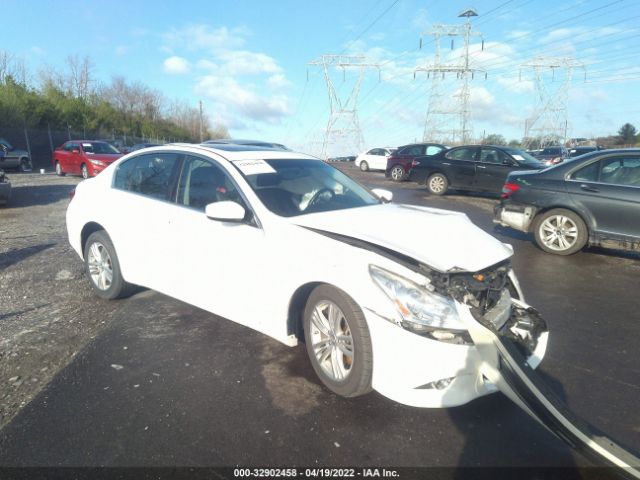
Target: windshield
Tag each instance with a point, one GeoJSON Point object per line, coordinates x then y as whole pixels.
{"type": "Point", "coordinates": [297, 187]}
{"type": "Point", "coordinates": [523, 157]}
{"type": "Point", "coordinates": [99, 147]}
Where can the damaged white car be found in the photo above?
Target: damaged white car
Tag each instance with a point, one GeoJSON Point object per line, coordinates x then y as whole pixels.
{"type": "Point", "coordinates": [381, 294]}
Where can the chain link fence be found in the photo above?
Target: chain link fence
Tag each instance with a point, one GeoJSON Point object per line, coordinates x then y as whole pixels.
{"type": "Point", "coordinates": [40, 143]}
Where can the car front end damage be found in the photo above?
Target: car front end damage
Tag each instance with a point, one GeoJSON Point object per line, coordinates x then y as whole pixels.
{"type": "Point", "coordinates": [434, 362]}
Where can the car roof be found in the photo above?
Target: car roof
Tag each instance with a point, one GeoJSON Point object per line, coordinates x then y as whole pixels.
{"type": "Point", "coordinates": [239, 152]}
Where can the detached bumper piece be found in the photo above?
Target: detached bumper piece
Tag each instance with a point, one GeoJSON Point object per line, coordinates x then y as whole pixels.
{"type": "Point", "coordinates": [518, 217]}
{"type": "Point", "coordinates": [506, 365]}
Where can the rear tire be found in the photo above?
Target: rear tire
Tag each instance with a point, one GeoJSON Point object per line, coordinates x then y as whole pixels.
{"type": "Point", "coordinates": [338, 341]}
{"type": "Point", "coordinates": [437, 184]}
{"type": "Point", "coordinates": [397, 173]}
{"type": "Point", "coordinates": [59, 171]}
{"type": "Point", "coordinates": [25, 165]}
{"type": "Point", "coordinates": [364, 166]}
{"type": "Point", "coordinates": [85, 171]}
{"type": "Point", "coordinates": [560, 231]}
{"type": "Point", "coordinates": [103, 269]}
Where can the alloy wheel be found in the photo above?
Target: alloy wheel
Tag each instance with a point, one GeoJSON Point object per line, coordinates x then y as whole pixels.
{"type": "Point", "coordinates": [558, 232]}
{"type": "Point", "coordinates": [100, 266]}
{"type": "Point", "coordinates": [397, 173]}
{"type": "Point", "coordinates": [331, 340]}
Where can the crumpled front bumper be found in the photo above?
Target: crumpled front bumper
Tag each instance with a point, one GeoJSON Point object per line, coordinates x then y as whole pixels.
{"type": "Point", "coordinates": [421, 372]}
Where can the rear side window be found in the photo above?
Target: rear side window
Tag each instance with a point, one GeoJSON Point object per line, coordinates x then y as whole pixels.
{"type": "Point", "coordinates": [415, 150]}
{"type": "Point", "coordinates": [151, 175]}
{"type": "Point", "coordinates": [462, 154]}
{"type": "Point", "coordinates": [589, 173]}
{"type": "Point", "coordinates": [433, 150]}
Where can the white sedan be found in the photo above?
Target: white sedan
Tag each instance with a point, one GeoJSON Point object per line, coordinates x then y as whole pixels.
{"type": "Point", "coordinates": [374, 159]}
{"type": "Point", "coordinates": [383, 295]}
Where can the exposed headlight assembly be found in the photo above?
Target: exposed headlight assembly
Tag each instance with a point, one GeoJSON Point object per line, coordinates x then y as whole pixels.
{"type": "Point", "coordinates": [422, 310]}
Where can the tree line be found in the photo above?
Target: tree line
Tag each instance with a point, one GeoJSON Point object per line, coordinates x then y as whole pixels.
{"type": "Point", "coordinates": [72, 98]}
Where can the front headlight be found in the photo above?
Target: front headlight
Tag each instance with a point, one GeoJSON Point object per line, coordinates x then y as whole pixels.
{"type": "Point", "coordinates": [97, 162]}
{"type": "Point", "coordinates": [421, 309]}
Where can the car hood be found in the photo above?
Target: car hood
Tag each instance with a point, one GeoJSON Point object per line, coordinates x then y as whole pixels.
{"type": "Point", "coordinates": [442, 239]}
{"type": "Point", "coordinates": [104, 157]}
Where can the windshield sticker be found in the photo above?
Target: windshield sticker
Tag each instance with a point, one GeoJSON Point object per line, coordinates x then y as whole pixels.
{"type": "Point", "coordinates": [518, 157]}
{"type": "Point", "coordinates": [253, 167]}
{"type": "Point", "coordinates": [86, 144]}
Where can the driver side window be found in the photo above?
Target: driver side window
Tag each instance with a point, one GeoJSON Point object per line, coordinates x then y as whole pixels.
{"type": "Point", "coordinates": [202, 182]}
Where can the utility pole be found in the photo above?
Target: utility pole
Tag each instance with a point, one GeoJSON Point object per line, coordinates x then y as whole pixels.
{"type": "Point", "coordinates": [550, 119]}
{"type": "Point", "coordinates": [343, 127]}
{"type": "Point", "coordinates": [200, 103]}
{"type": "Point", "coordinates": [447, 120]}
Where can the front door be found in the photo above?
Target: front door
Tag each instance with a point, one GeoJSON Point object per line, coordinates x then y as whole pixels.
{"type": "Point", "coordinates": [221, 264]}
{"type": "Point", "coordinates": [461, 163]}
{"type": "Point", "coordinates": [492, 169]}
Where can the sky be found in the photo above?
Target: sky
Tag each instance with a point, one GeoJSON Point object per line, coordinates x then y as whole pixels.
{"type": "Point", "coordinates": [249, 61]}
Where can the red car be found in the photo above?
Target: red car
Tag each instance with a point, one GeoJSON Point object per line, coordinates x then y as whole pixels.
{"type": "Point", "coordinates": [85, 157]}
{"type": "Point", "coordinates": [400, 161]}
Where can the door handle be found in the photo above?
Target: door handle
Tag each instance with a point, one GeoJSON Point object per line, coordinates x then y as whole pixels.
{"type": "Point", "coordinates": [446, 163]}
{"type": "Point", "coordinates": [588, 188]}
{"type": "Point", "coordinates": [481, 166]}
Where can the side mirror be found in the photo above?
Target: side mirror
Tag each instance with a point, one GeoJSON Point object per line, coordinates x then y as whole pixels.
{"type": "Point", "coordinates": [385, 195]}
{"type": "Point", "coordinates": [508, 162]}
{"type": "Point", "coordinates": [226, 211]}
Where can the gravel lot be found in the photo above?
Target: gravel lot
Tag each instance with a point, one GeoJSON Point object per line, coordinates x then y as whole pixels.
{"type": "Point", "coordinates": [46, 306]}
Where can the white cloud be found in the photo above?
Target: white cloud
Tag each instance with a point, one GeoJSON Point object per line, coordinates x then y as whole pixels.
{"type": "Point", "coordinates": [243, 62]}
{"type": "Point", "coordinates": [278, 81]}
{"type": "Point", "coordinates": [176, 65]}
{"type": "Point", "coordinates": [227, 91]}
{"type": "Point", "coordinates": [205, 37]}
{"type": "Point", "coordinates": [121, 50]}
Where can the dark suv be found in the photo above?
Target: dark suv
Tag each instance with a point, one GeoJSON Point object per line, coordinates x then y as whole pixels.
{"type": "Point", "coordinates": [552, 155]}
{"type": "Point", "coordinates": [399, 162]}
{"type": "Point", "coordinates": [593, 199]}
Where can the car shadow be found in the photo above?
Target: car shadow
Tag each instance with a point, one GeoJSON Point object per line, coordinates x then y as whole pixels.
{"type": "Point", "coordinates": [15, 256]}
{"type": "Point", "coordinates": [511, 233]}
{"type": "Point", "coordinates": [31, 195]}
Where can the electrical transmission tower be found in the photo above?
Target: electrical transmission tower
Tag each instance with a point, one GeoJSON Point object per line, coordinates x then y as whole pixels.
{"type": "Point", "coordinates": [448, 119]}
{"type": "Point", "coordinates": [549, 121]}
{"type": "Point", "coordinates": [343, 128]}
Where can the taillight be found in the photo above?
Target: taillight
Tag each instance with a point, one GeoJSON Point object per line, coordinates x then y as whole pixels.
{"type": "Point", "coordinates": [72, 193]}
{"type": "Point", "coordinates": [509, 189]}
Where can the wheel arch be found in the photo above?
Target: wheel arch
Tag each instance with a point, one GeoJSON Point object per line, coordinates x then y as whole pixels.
{"type": "Point", "coordinates": [87, 230]}
{"type": "Point", "coordinates": [296, 309]}
{"type": "Point", "coordinates": [587, 221]}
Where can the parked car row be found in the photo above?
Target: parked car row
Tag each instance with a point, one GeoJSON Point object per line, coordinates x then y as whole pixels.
{"type": "Point", "coordinates": [583, 196]}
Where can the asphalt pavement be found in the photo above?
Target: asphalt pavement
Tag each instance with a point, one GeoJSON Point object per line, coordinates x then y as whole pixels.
{"type": "Point", "coordinates": [167, 384]}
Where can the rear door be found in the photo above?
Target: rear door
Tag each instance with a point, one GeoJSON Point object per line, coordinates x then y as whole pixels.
{"type": "Point", "coordinates": [140, 206]}
{"type": "Point", "coordinates": [609, 189]}
{"type": "Point", "coordinates": [492, 169]}
{"type": "Point", "coordinates": [459, 165]}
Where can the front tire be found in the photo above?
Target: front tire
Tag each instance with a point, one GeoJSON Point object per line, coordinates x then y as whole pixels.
{"type": "Point", "coordinates": [102, 267]}
{"type": "Point", "coordinates": [85, 171]}
{"type": "Point", "coordinates": [397, 173]}
{"type": "Point", "coordinates": [437, 184]}
{"type": "Point", "coordinates": [338, 341]}
{"type": "Point", "coordinates": [560, 231]}
{"type": "Point", "coordinates": [364, 166]}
